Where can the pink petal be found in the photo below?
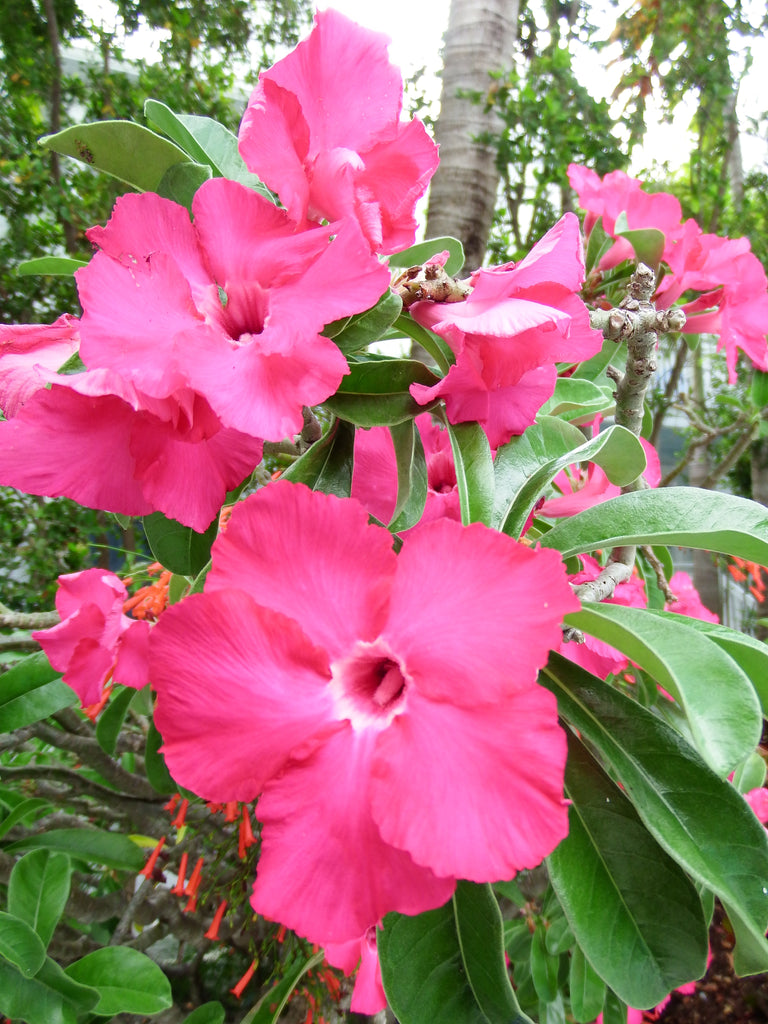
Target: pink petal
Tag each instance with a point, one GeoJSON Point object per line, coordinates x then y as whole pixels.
{"type": "Point", "coordinates": [286, 535]}
{"type": "Point", "coordinates": [263, 693]}
{"type": "Point", "coordinates": [368, 994]}
{"type": "Point", "coordinates": [332, 890]}
{"type": "Point", "coordinates": [502, 765]}
{"type": "Point", "coordinates": [27, 351]}
{"type": "Point", "coordinates": [477, 595]}
{"type": "Point", "coordinates": [132, 665]}
{"type": "Point", "coordinates": [374, 472]}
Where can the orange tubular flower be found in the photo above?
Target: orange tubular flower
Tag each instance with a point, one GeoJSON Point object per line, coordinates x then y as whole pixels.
{"type": "Point", "coordinates": [213, 931]}
{"type": "Point", "coordinates": [178, 889]}
{"type": "Point", "coordinates": [237, 991]}
{"type": "Point", "coordinates": [149, 867]}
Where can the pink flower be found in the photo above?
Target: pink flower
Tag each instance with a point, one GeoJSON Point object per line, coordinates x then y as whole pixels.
{"type": "Point", "coordinates": [230, 306]}
{"type": "Point", "coordinates": [94, 639]}
{"type": "Point", "coordinates": [597, 656]}
{"type": "Point", "coordinates": [374, 475]}
{"type": "Point", "coordinates": [28, 354]}
{"type": "Point", "coordinates": [368, 994]}
{"type": "Point", "coordinates": [95, 438]}
{"type": "Point", "coordinates": [385, 705]}
{"type": "Point", "coordinates": [758, 801]}
{"type": "Point", "coordinates": [323, 130]}
{"type": "Point", "coordinates": [518, 321]}
{"type": "Point", "coordinates": [688, 601]}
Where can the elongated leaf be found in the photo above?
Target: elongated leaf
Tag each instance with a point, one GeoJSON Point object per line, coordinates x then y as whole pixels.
{"type": "Point", "coordinates": [411, 476]}
{"type": "Point", "coordinates": [577, 400]}
{"type": "Point", "coordinates": [31, 691]}
{"type": "Point", "coordinates": [375, 391]}
{"type": "Point", "coordinates": [432, 343]}
{"type": "Point", "coordinates": [23, 810]}
{"type": "Point", "coordinates": [643, 939]}
{"type": "Point", "coordinates": [717, 697]}
{"type": "Point", "coordinates": [179, 548]}
{"type": "Point", "coordinates": [272, 1003]}
{"type": "Point", "coordinates": [327, 465]}
{"type": "Point", "coordinates": [208, 1013]}
{"type": "Point", "coordinates": [48, 998]}
{"type": "Point", "coordinates": [127, 981]}
{"type": "Point", "coordinates": [422, 252]}
{"type": "Point", "coordinates": [586, 987]}
{"type": "Point", "coordinates": [154, 763]}
{"type": "Point", "coordinates": [124, 149]}
{"type": "Point", "coordinates": [687, 516]}
{"type": "Point", "coordinates": [699, 819]}
{"type": "Point", "coordinates": [181, 182]}
{"type": "Point", "coordinates": [20, 945]}
{"type": "Point", "coordinates": [88, 844]}
{"type": "Point", "coordinates": [112, 717]}
{"type": "Point", "coordinates": [525, 467]}
{"type": "Point", "coordinates": [750, 774]}
{"type": "Point", "coordinates": [424, 963]}
{"type": "Point", "coordinates": [354, 333]}
{"type": "Point", "coordinates": [38, 890]}
{"type": "Point", "coordinates": [57, 266]}
{"type": "Point", "coordinates": [544, 967]}
{"type": "Point", "coordinates": [474, 472]}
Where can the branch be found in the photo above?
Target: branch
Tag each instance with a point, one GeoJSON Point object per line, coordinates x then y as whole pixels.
{"type": "Point", "coordinates": [27, 620]}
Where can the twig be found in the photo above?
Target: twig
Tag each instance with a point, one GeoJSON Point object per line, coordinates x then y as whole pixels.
{"type": "Point", "coordinates": [27, 620]}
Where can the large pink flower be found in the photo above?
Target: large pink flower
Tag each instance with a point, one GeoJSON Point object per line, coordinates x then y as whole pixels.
{"type": "Point", "coordinates": [688, 601]}
{"type": "Point", "coordinates": [518, 321]}
{"type": "Point", "coordinates": [229, 305]}
{"type": "Point", "coordinates": [94, 638]}
{"type": "Point", "coordinates": [28, 354]}
{"type": "Point", "coordinates": [95, 438]}
{"type": "Point", "coordinates": [323, 130]}
{"type": "Point", "coordinates": [384, 706]}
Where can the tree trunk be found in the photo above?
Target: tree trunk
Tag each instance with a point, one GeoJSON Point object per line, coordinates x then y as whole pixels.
{"type": "Point", "coordinates": [462, 197]}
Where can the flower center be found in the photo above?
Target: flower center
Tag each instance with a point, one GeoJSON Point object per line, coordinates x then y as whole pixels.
{"type": "Point", "coordinates": [369, 684]}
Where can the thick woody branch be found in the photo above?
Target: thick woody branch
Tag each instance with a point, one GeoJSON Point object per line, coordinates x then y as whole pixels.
{"type": "Point", "coordinates": [26, 620]}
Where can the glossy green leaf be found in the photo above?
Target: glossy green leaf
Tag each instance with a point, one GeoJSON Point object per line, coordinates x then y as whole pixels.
{"type": "Point", "coordinates": [411, 476]}
{"type": "Point", "coordinates": [327, 464]}
{"type": "Point", "coordinates": [181, 182]}
{"type": "Point", "coordinates": [633, 911]}
{"type": "Point", "coordinates": [272, 1003]}
{"type": "Point", "coordinates": [648, 243]}
{"type": "Point", "coordinates": [127, 981]}
{"type": "Point", "coordinates": [20, 945]}
{"type": "Point", "coordinates": [154, 763]}
{"type": "Point", "coordinates": [586, 988]}
{"type": "Point", "coordinates": [558, 937]}
{"type": "Point", "coordinates": [24, 809]}
{"type": "Point", "coordinates": [432, 343]}
{"type": "Point", "coordinates": [112, 717]}
{"type": "Point", "coordinates": [598, 243]}
{"type": "Point", "coordinates": [375, 391]}
{"type": "Point", "coordinates": [176, 547]}
{"type": "Point", "coordinates": [38, 890]}
{"type": "Point", "coordinates": [718, 700]}
{"type": "Point", "coordinates": [354, 333]}
{"type": "Point", "coordinates": [474, 472]}
{"type": "Point", "coordinates": [208, 1013]}
{"type": "Point", "coordinates": [614, 1009]}
{"type": "Point", "coordinates": [699, 819]}
{"type": "Point", "coordinates": [32, 690]}
{"type": "Point", "coordinates": [577, 400]}
{"type": "Point", "coordinates": [525, 467]}
{"type": "Point", "coordinates": [89, 844]}
{"type": "Point", "coordinates": [759, 389]}
{"type": "Point", "coordinates": [206, 141]}
{"type": "Point", "coordinates": [50, 997]}
{"type": "Point", "coordinates": [544, 966]}
{"type": "Point", "coordinates": [57, 266]}
{"type": "Point", "coordinates": [422, 252]}
{"type": "Point", "coordinates": [448, 964]}
{"type": "Point", "coordinates": [750, 774]}
{"type": "Point", "coordinates": [126, 150]}
{"type": "Point", "coordinates": [687, 516]}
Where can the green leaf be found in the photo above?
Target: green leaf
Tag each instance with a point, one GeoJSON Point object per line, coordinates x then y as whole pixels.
{"type": "Point", "coordinates": [648, 243]}
{"type": "Point", "coordinates": [432, 343]}
{"type": "Point", "coordinates": [112, 717]}
{"type": "Point", "coordinates": [422, 252]}
{"type": "Point", "coordinates": [20, 945]}
{"type": "Point", "coordinates": [127, 981]}
{"type": "Point", "coordinates": [525, 467]}
{"type": "Point", "coordinates": [474, 472]}
{"type": "Point", "coordinates": [759, 389]}
{"type": "Point", "coordinates": [48, 998]}
{"type": "Point", "coordinates": [179, 548]}
{"type": "Point", "coordinates": [690, 517]}
{"type": "Point", "coordinates": [208, 1013]}
{"type": "Point", "coordinates": [633, 911]}
{"type": "Point", "coordinates": [89, 844]}
{"type": "Point", "coordinates": [206, 141]}
{"type": "Point", "coordinates": [446, 964]}
{"type": "Point", "coordinates": [38, 890]}
{"type": "Point", "coordinates": [699, 819]}
{"type": "Point", "coordinates": [23, 810]}
{"type": "Point", "coordinates": [272, 1003]}
{"type": "Point", "coordinates": [31, 691]}
{"type": "Point", "coordinates": [577, 400]}
{"type": "Point", "coordinates": [544, 967]}
{"type": "Point", "coordinates": [375, 391]}
{"type": "Point", "coordinates": [126, 150]}
{"type": "Point", "coordinates": [411, 476]}
{"type": "Point", "coordinates": [327, 465]}
{"type": "Point", "coordinates": [181, 182]}
{"type": "Point", "coordinates": [716, 696]}
{"type": "Point", "coordinates": [586, 987]}
{"type": "Point", "coordinates": [750, 774]}
{"type": "Point", "coordinates": [354, 333]}
{"type": "Point", "coordinates": [57, 266]}
{"type": "Point", "coordinates": [154, 763]}
{"type": "Point", "coordinates": [598, 245]}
